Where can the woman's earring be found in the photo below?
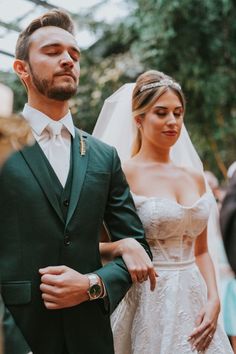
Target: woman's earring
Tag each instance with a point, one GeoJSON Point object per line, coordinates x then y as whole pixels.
{"type": "Point", "coordinates": [139, 125]}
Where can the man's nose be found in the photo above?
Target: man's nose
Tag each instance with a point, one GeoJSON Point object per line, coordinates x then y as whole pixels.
{"type": "Point", "coordinates": [66, 60]}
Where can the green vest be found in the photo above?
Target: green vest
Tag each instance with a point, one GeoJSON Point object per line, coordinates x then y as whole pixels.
{"type": "Point", "coordinates": [62, 194]}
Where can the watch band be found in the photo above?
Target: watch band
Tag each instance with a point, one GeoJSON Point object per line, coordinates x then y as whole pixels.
{"type": "Point", "coordinates": [95, 290]}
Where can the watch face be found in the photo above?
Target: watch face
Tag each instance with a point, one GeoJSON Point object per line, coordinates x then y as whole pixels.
{"type": "Point", "coordinates": [95, 291]}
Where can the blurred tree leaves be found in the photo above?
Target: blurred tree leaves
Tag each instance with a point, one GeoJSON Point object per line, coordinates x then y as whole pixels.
{"type": "Point", "coordinates": [193, 41]}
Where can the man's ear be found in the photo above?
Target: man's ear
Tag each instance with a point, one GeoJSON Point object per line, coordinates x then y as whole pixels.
{"type": "Point", "coordinates": [21, 68]}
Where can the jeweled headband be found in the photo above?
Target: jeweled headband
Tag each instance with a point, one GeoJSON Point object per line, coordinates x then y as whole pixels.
{"type": "Point", "coordinates": [163, 82]}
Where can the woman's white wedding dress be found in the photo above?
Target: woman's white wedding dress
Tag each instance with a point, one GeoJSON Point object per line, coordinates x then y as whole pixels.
{"type": "Point", "coordinates": [160, 322]}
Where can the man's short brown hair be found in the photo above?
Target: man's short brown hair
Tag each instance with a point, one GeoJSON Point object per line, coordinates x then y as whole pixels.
{"type": "Point", "coordinates": [55, 17]}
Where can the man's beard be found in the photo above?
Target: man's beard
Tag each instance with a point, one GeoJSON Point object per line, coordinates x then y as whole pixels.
{"type": "Point", "coordinates": [45, 88]}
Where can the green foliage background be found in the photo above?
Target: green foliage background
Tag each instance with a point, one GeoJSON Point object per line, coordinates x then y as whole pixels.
{"type": "Point", "coordinates": [191, 40]}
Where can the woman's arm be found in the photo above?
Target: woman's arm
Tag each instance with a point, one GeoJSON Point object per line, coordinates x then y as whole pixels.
{"type": "Point", "coordinates": [136, 259]}
{"type": "Point", "coordinates": [206, 322]}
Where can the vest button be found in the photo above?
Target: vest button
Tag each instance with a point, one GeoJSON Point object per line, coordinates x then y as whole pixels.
{"type": "Point", "coordinates": [66, 203]}
{"type": "Point", "coordinates": [67, 240]}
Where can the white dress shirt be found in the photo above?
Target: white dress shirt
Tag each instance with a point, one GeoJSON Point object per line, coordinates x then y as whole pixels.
{"type": "Point", "coordinates": [39, 122]}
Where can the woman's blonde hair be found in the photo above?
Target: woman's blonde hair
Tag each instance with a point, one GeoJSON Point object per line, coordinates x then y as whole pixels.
{"type": "Point", "coordinates": [15, 133]}
{"type": "Point", "coordinates": [147, 90]}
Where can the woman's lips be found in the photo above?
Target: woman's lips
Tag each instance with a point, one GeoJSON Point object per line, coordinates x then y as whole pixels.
{"type": "Point", "coordinates": [170, 132]}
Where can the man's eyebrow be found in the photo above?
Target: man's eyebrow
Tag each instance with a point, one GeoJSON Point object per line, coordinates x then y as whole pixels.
{"type": "Point", "coordinates": [76, 49]}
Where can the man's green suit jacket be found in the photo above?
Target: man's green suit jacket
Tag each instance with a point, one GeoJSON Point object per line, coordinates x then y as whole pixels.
{"type": "Point", "coordinates": [34, 234]}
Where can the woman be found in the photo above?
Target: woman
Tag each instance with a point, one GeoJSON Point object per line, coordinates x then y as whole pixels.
{"type": "Point", "coordinates": [181, 314]}
{"type": "Point", "coordinates": [15, 133]}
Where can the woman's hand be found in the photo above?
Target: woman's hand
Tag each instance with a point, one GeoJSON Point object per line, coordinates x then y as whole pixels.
{"type": "Point", "coordinates": [137, 261]}
{"type": "Point", "coordinates": [206, 324]}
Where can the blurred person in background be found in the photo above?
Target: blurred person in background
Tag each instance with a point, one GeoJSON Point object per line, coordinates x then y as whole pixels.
{"type": "Point", "coordinates": [228, 217]}
{"type": "Point", "coordinates": [6, 100]}
{"type": "Point", "coordinates": [217, 190]}
{"type": "Point", "coordinates": [226, 277]}
{"type": "Point", "coordinates": [15, 133]}
{"type": "Point", "coordinates": [228, 230]}
{"type": "Point", "coordinates": [231, 170]}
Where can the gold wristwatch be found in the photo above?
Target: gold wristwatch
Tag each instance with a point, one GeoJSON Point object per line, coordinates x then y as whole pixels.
{"type": "Point", "coordinates": [95, 289]}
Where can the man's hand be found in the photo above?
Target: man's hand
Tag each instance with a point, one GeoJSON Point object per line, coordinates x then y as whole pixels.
{"type": "Point", "coordinates": [63, 287]}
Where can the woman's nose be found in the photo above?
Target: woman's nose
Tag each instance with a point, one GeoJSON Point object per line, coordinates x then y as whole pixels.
{"type": "Point", "coordinates": [171, 118]}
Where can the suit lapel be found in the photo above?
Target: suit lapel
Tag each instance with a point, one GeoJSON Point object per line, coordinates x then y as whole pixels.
{"type": "Point", "coordinates": [79, 169]}
{"type": "Point", "coordinates": [34, 159]}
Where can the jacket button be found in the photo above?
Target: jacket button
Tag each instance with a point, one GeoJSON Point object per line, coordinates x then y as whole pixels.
{"type": "Point", "coordinates": [66, 203]}
{"type": "Point", "coordinates": [67, 240]}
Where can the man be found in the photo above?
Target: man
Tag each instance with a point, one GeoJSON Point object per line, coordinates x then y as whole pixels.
{"type": "Point", "coordinates": [55, 196]}
{"type": "Point", "coordinates": [228, 220]}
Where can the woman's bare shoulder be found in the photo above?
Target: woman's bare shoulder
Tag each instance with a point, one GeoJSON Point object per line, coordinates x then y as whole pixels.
{"type": "Point", "coordinates": [198, 178]}
{"type": "Point", "coordinates": [129, 167]}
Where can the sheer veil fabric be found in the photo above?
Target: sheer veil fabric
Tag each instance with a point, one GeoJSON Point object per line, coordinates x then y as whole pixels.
{"type": "Point", "coordinates": [115, 127]}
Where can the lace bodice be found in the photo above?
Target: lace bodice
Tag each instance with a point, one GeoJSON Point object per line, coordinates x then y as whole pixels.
{"type": "Point", "coordinates": [171, 228]}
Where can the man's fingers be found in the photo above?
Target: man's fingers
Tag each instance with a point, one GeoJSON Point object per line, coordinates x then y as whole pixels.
{"type": "Point", "coordinates": [53, 270]}
{"type": "Point", "coordinates": [51, 305]}
{"type": "Point", "coordinates": [50, 279]}
{"type": "Point", "coordinates": [49, 298]}
{"type": "Point", "coordinates": [52, 290]}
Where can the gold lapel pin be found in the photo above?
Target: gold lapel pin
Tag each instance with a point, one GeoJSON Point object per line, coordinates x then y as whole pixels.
{"type": "Point", "coordinates": [82, 145]}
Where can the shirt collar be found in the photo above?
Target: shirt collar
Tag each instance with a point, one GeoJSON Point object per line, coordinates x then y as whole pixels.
{"type": "Point", "coordinates": [38, 120]}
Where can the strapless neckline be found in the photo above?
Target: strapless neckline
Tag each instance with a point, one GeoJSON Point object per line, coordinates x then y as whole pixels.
{"type": "Point", "coordinates": [172, 201]}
